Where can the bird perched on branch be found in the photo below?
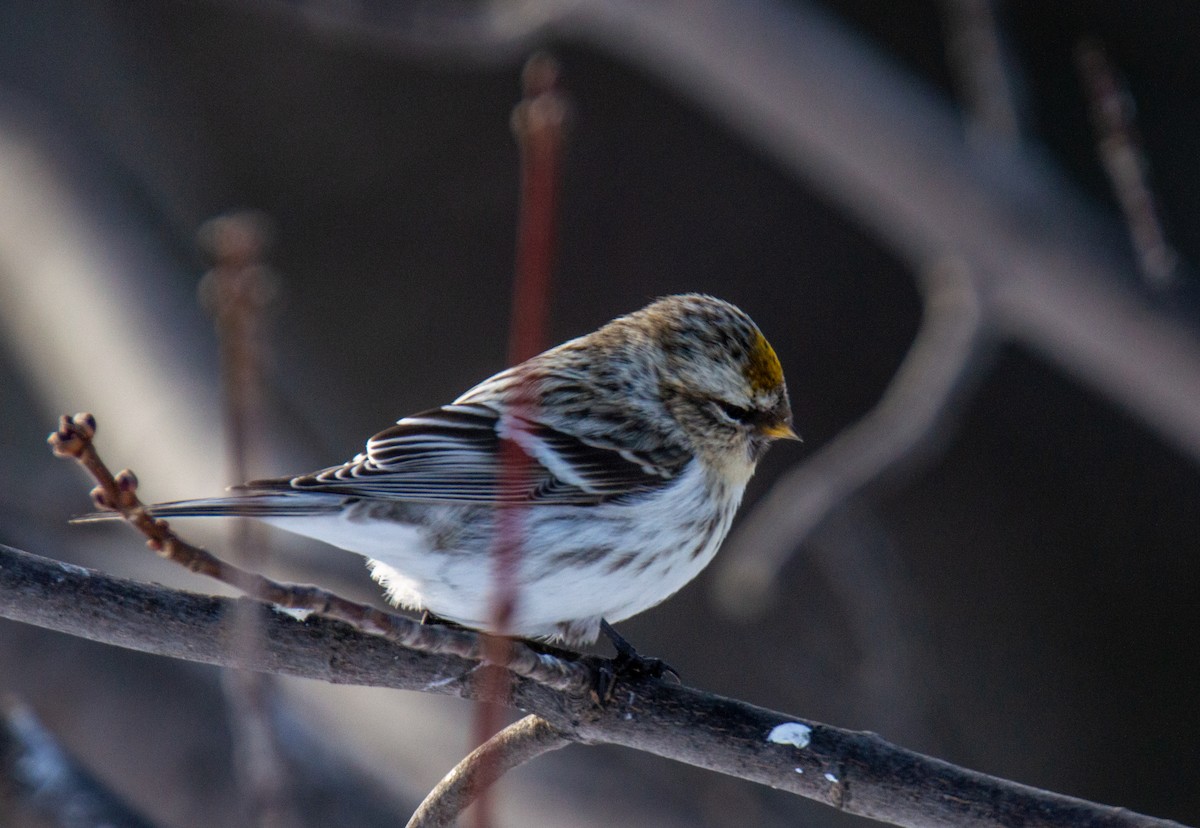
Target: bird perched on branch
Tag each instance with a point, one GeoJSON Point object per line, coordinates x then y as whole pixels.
{"type": "Point", "coordinates": [617, 461]}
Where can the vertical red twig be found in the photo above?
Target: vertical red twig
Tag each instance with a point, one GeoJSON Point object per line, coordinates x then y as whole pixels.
{"type": "Point", "coordinates": [537, 122]}
{"type": "Point", "coordinates": [237, 291]}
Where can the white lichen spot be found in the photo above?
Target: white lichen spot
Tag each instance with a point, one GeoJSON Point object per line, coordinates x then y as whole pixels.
{"type": "Point", "coordinates": [791, 733]}
{"type": "Point", "coordinates": [298, 614]}
{"type": "Point", "coordinates": [798, 770]}
{"type": "Point", "coordinates": [72, 569]}
{"type": "Point", "coordinates": [831, 778]}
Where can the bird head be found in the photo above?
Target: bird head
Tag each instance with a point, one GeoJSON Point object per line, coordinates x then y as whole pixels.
{"type": "Point", "coordinates": [721, 380]}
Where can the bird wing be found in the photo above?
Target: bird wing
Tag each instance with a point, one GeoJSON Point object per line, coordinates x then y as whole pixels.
{"type": "Point", "coordinates": [457, 454]}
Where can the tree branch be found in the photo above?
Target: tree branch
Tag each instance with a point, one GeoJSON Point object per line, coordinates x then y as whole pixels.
{"type": "Point", "coordinates": [857, 772]}
{"type": "Point", "coordinates": [515, 745]}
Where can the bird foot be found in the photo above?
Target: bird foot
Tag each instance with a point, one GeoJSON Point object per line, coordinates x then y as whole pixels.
{"type": "Point", "coordinates": [627, 665]}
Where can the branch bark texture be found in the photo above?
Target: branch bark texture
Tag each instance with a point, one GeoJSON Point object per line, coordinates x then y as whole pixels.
{"type": "Point", "coordinates": [854, 771]}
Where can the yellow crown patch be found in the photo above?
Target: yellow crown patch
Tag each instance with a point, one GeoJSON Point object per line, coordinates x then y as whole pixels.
{"type": "Point", "coordinates": [763, 370]}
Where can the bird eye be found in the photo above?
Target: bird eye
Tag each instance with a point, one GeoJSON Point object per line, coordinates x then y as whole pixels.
{"type": "Point", "coordinates": [735, 412]}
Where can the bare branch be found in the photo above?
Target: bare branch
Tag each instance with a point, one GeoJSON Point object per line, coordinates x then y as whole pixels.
{"type": "Point", "coordinates": [857, 772]}
{"type": "Point", "coordinates": [237, 290]}
{"type": "Point", "coordinates": [1121, 153]}
{"type": "Point", "coordinates": [521, 741]}
{"type": "Point", "coordinates": [538, 124]}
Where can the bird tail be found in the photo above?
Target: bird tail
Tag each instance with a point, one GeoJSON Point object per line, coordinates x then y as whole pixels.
{"type": "Point", "coordinates": [256, 505]}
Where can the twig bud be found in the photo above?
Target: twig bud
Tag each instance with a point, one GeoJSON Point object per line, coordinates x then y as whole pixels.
{"type": "Point", "coordinates": [539, 75]}
{"type": "Point", "coordinates": [58, 444]}
{"type": "Point", "coordinates": [86, 424]}
{"type": "Point", "coordinates": [67, 441]}
{"type": "Point", "coordinates": [100, 498]}
{"type": "Point", "coordinates": [236, 239]}
{"type": "Point", "coordinates": [127, 481]}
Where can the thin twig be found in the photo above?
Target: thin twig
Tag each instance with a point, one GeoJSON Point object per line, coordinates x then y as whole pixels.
{"type": "Point", "coordinates": [1120, 149]}
{"type": "Point", "coordinates": [119, 493]}
{"type": "Point", "coordinates": [943, 356]}
{"type": "Point", "coordinates": [518, 743]}
{"type": "Point", "coordinates": [856, 772]}
{"type": "Point", "coordinates": [538, 123]}
{"type": "Point", "coordinates": [237, 290]}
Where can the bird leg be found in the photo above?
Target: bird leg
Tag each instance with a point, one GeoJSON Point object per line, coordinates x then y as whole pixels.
{"type": "Point", "coordinates": [628, 664]}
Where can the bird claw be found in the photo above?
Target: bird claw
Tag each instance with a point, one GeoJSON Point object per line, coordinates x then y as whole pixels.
{"type": "Point", "coordinates": [627, 665]}
{"type": "Point", "coordinates": [634, 666]}
{"type": "Point", "coordinates": [624, 668]}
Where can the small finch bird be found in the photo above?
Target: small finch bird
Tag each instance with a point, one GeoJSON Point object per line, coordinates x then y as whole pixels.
{"type": "Point", "coordinates": [635, 445]}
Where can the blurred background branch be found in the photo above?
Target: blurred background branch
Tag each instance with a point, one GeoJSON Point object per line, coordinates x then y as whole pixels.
{"type": "Point", "coordinates": [793, 83]}
{"type": "Point", "coordinates": [38, 776]}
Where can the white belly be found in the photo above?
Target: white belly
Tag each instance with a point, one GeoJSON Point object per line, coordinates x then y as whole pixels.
{"type": "Point", "coordinates": [575, 564]}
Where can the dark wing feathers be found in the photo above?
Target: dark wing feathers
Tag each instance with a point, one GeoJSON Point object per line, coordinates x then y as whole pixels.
{"type": "Point", "coordinates": [454, 454]}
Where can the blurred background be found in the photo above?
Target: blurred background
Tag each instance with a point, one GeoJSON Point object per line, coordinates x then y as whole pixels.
{"type": "Point", "coordinates": [996, 199]}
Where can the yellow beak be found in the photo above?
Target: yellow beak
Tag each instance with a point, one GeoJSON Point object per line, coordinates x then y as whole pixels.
{"type": "Point", "coordinates": [779, 431]}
